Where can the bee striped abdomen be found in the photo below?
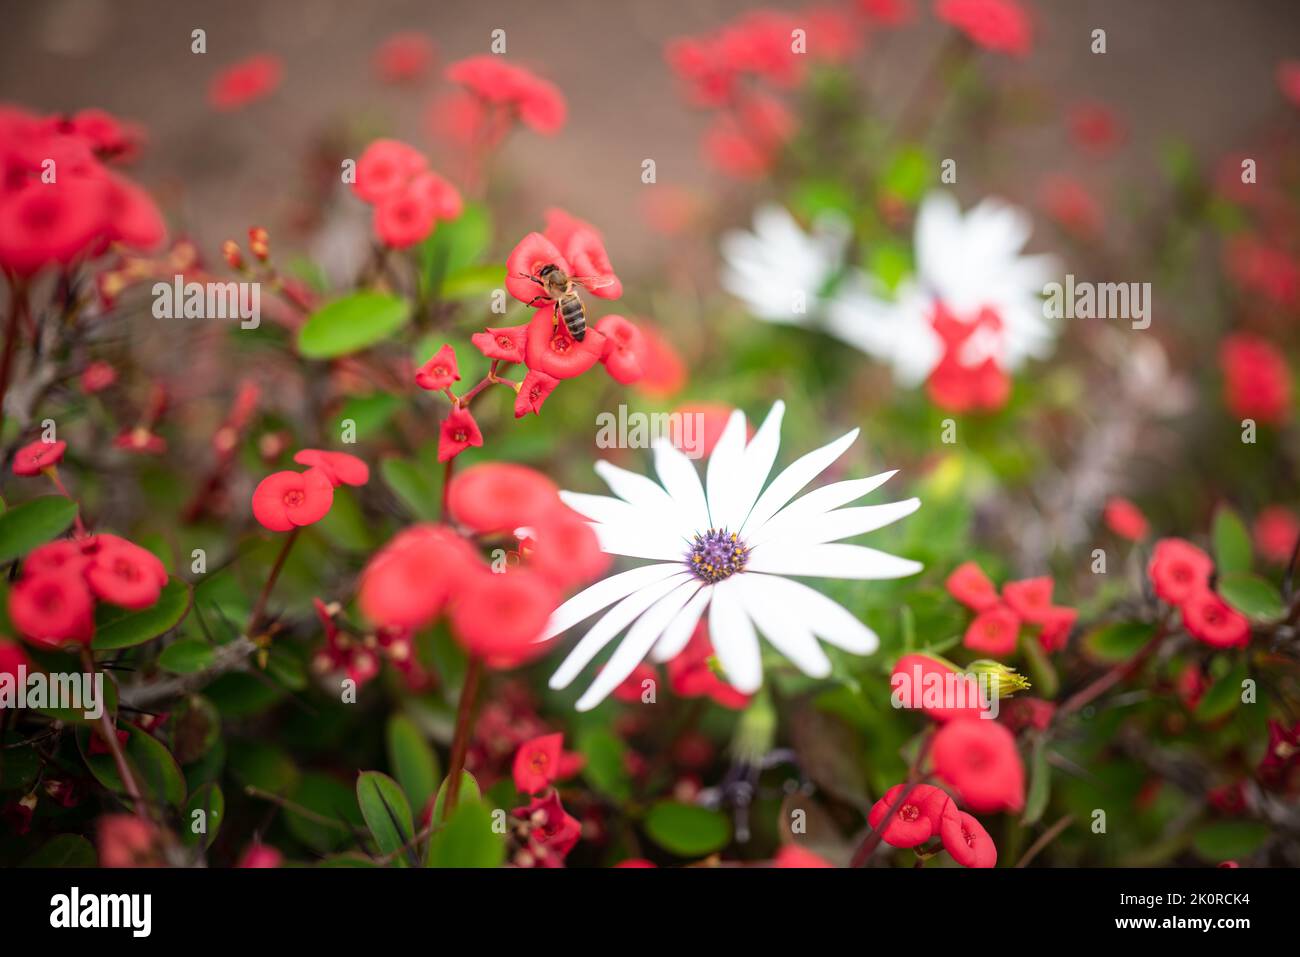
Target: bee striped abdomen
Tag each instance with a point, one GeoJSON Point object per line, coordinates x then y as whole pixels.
{"type": "Point", "coordinates": [574, 315]}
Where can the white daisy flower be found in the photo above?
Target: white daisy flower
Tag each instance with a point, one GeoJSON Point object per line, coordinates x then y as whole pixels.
{"type": "Point", "coordinates": [726, 545]}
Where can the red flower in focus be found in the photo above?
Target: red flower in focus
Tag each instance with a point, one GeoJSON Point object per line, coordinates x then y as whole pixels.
{"type": "Point", "coordinates": [970, 586]}
{"type": "Point", "coordinates": [1288, 80]}
{"type": "Point", "coordinates": [339, 467]}
{"type": "Point", "coordinates": [1276, 531]}
{"type": "Point", "coordinates": [979, 759]}
{"type": "Point", "coordinates": [500, 497]}
{"type": "Point", "coordinates": [1125, 519]}
{"type": "Point", "coordinates": [506, 344]}
{"type": "Point", "coordinates": [1094, 126]}
{"type": "Point", "coordinates": [245, 82]}
{"type": "Point", "coordinates": [406, 583]}
{"type": "Point", "coordinates": [998, 25]}
{"type": "Point", "coordinates": [914, 672]}
{"type": "Point", "coordinates": [1030, 598]}
{"type": "Point", "coordinates": [260, 855]}
{"type": "Point", "coordinates": [439, 372]}
{"type": "Point", "coordinates": [993, 632]}
{"type": "Point", "coordinates": [533, 392]}
{"type": "Point", "coordinates": [529, 256]}
{"type": "Point", "coordinates": [498, 615]}
{"type": "Point", "coordinates": [37, 456]}
{"type": "Point", "coordinates": [52, 610]}
{"type": "Point", "coordinates": [690, 674]}
{"type": "Point", "coordinates": [385, 168]}
{"type": "Point", "coordinates": [97, 377]}
{"type": "Point", "coordinates": [1257, 382]}
{"type": "Point", "coordinates": [624, 349]}
{"type": "Point", "coordinates": [126, 840]}
{"type": "Point", "coordinates": [1179, 570]}
{"type": "Point", "coordinates": [459, 432]}
{"type": "Point", "coordinates": [917, 818]}
{"type": "Point", "coordinates": [966, 840]}
{"type": "Point", "coordinates": [789, 856]}
{"type": "Point", "coordinates": [125, 574]}
{"type": "Point", "coordinates": [1210, 619]}
{"type": "Point", "coordinates": [286, 500]}
{"type": "Point", "coordinates": [537, 763]}
{"type": "Point", "coordinates": [403, 57]}
{"type": "Point", "coordinates": [552, 349]}
{"type": "Point", "coordinates": [551, 832]}
{"type": "Point", "coordinates": [534, 101]}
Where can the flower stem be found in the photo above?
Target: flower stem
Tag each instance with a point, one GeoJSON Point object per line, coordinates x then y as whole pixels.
{"type": "Point", "coordinates": [1114, 676]}
{"type": "Point", "coordinates": [255, 618]}
{"type": "Point", "coordinates": [914, 776]}
{"type": "Point", "coordinates": [460, 743]}
{"type": "Point", "coordinates": [18, 305]}
{"type": "Point", "coordinates": [108, 731]}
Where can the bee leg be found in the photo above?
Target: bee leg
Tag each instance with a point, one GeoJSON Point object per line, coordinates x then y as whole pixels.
{"type": "Point", "coordinates": [538, 301]}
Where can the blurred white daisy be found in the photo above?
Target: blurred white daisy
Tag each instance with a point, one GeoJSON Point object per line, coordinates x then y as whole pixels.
{"type": "Point", "coordinates": [725, 545]}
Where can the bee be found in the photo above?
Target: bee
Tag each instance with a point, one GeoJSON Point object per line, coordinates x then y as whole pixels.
{"type": "Point", "coordinates": [560, 290]}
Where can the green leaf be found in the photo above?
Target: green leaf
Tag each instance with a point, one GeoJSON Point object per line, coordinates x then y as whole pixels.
{"type": "Point", "coordinates": [908, 173]}
{"type": "Point", "coordinates": [352, 324]}
{"type": "Point", "coordinates": [33, 523]}
{"type": "Point", "coordinates": [1251, 595]}
{"type": "Point", "coordinates": [1231, 542]}
{"type": "Point", "coordinates": [455, 246]}
{"type": "Point", "coordinates": [332, 812]}
{"type": "Point", "coordinates": [412, 486]}
{"type": "Point", "coordinates": [152, 765]}
{"type": "Point", "coordinates": [467, 839]}
{"type": "Point", "coordinates": [687, 830]}
{"type": "Point", "coordinates": [606, 766]}
{"type": "Point", "coordinates": [412, 760]}
{"type": "Point", "coordinates": [1119, 641]}
{"type": "Point", "coordinates": [1224, 695]}
{"type": "Point", "coordinates": [386, 811]}
{"type": "Point", "coordinates": [469, 791]}
{"type": "Point", "coordinates": [473, 281]}
{"type": "Point", "coordinates": [65, 850]}
{"type": "Point", "coordinates": [1040, 784]}
{"type": "Point", "coordinates": [1229, 840]}
{"type": "Point", "coordinates": [186, 656]}
{"type": "Point", "coordinates": [120, 628]}
{"type": "Point", "coordinates": [212, 802]}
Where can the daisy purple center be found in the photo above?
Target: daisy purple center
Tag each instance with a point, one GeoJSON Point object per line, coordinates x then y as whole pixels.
{"type": "Point", "coordinates": [716, 555]}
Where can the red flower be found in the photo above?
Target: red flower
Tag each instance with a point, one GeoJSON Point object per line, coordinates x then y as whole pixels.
{"type": "Point", "coordinates": [997, 25]}
{"type": "Point", "coordinates": [993, 632]}
{"type": "Point", "coordinates": [140, 439]}
{"type": "Point", "coordinates": [536, 102]}
{"type": "Point", "coordinates": [127, 840]}
{"type": "Point", "coordinates": [245, 82]}
{"type": "Point", "coordinates": [406, 584]}
{"type": "Point", "coordinates": [500, 497]}
{"type": "Point", "coordinates": [1288, 80]}
{"type": "Point", "coordinates": [37, 456]}
{"type": "Point", "coordinates": [459, 432]}
{"type": "Point", "coordinates": [1068, 202]}
{"type": "Point", "coordinates": [405, 218]}
{"type": "Point", "coordinates": [57, 557]}
{"type": "Point", "coordinates": [403, 57]}
{"type": "Point", "coordinates": [664, 371]}
{"type": "Point", "coordinates": [979, 759]}
{"type": "Point", "coordinates": [285, 500]}
{"type": "Point", "coordinates": [1179, 570]}
{"type": "Point", "coordinates": [1275, 532]}
{"type": "Point", "coordinates": [633, 686]}
{"type": "Point", "coordinates": [97, 377]}
{"type": "Point", "coordinates": [1056, 623]}
{"type": "Point", "coordinates": [440, 194]}
{"type": "Point", "coordinates": [260, 855]}
{"type": "Point", "coordinates": [553, 350]}
{"type": "Point", "coordinates": [892, 13]}
{"type": "Point", "coordinates": [746, 143]}
{"type": "Point", "coordinates": [1257, 382]}
{"type": "Point", "coordinates": [1030, 598]}
{"type": "Point", "coordinates": [125, 574]}
{"type": "Point", "coordinates": [789, 856]}
{"type": "Point", "coordinates": [1212, 620]}
{"type": "Point", "coordinates": [439, 372]}
{"type": "Point", "coordinates": [690, 674]}
{"type": "Point", "coordinates": [12, 657]}
{"type": "Point", "coordinates": [528, 257]}
{"type": "Point", "coordinates": [624, 349]}
{"type": "Point", "coordinates": [585, 252]}
{"type": "Point", "coordinates": [385, 168]}
{"type": "Point", "coordinates": [51, 223]}
{"type": "Point", "coordinates": [970, 586]}
{"type": "Point", "coordinates": [533, 392]}
{"type": "Point", "coordinates": [498, 615]}
{"type": "Point", "coordinates": [698, 62]}
{"type": "Point", "coordinates": [954, 384]}
{"type": "Point", "coordinates": [52, 610]}
{"type": "Point", "coordinates": [1094, 126]}
{"type": "Point", "coordinates": [697, 437]}
{"type": "Point", "coordinates": [914, 673]}
{"type": "Point", "coordinates": [552, 832]}
{"type": "Point", "coordinates": [339, 467]}
{"type": "Point", "coordinates": [916, 820]}
{"type": "Point", "coordinates": [1263, 269]}
{"type": "Point", "coordinates": [506, 344]}
{"type": "Point", "coordinates": [1125, 519]}
{"type": "Point", "coordinates": [537, 763]}
{"type": "Point", "coordinates": [565, 549]}
{"type": "Point", "coordinates": [966, 840]}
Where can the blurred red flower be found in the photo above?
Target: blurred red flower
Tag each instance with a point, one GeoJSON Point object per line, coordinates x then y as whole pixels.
{"type": "Point", "coordinates": [1125, 519]}
{"type": "Point", "coordinates": [1257, 382]}
{"type": "Point", "coordinates": [979, 759]}
{"type": "Point", "coordinates": [245, 82]}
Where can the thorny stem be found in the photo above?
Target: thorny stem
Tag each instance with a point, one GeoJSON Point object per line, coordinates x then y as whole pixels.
{"type": "Point", "coordinates": [914, 777]}
{"type": "Point", "coordinates": [255, 618]}
{"type": "Point", "coordinates": [1114, 676]}
{"type": "Point", "coordinates": [53, 472]}
{"type": "Point", "coordinates": [460, 743]}
{"type": "Point", "coordinates": [1047, 837]}
{"type": "Point", "coordinates": [109, 733]}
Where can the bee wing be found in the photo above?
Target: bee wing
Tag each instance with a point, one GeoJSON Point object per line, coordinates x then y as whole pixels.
{"type": "Point", "coordinates": [593, 282]}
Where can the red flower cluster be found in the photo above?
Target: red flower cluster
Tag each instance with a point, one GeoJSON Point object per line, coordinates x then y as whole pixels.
{"type": "Point", "coordinates": [358, 658]}
{"type": "Point", "coordinates": [496, 611]}
{"type": "Point", "coordinates": [52, 604]}
{"type": "Point", "coordinates": [544, 833]}
{"type": "Point", "coordinates": [1181, 573]}
{"type": "Point", "coordinates": [59, 203]}
{"type": "Point", "coordinates": [409, 198]}
{"type": "Point", "coordinates": [928, 812]}
{"type": "Point", "coordinates": [996, 626]}
{"type": "Point", "coordinates": [998, 25]}
{"type": "Point", "coordinates": [494, 96]}
{"type": "Point", "coordinates": [542, 761]}
{"type": "Point", "coordinates": [1256, 380]}
{"type": "Point", "coordinates": [957, 383]}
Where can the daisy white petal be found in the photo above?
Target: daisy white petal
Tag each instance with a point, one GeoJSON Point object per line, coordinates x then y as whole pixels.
{"type": "Point", "coordinates": [830, 561]}
{"type": "Point", "coordinates": [781, 625]}
{"type": "Point", "coordinates": [818, 502]}
{"type": "Point", "coordinates": [760, 455]}
{"type": "Point", "coordinates": [724, 468]}
{"type": "Point", "coordinates": [682, 483]}
{"type": "Point", "coordinates": [678, 634]}
{"type": "Point", "coordinates": [603, 594]}
{"type": "Point", "coordinates": [609, 625]}
{"type": "Point", "coordinates": [847, 522]}
{"type": "Point", "coordinates": [638, 490]}
{"type": "Point", "coordinates": [733, 637]}
{"type": "Point", "coordinates": [637, 541]}
{"type": "Point", "coordinates": [636, 644]}
{"type": "Point", "coordinates": [795, 476]}
{"type": "Point", "coordinates": [828, 619]}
